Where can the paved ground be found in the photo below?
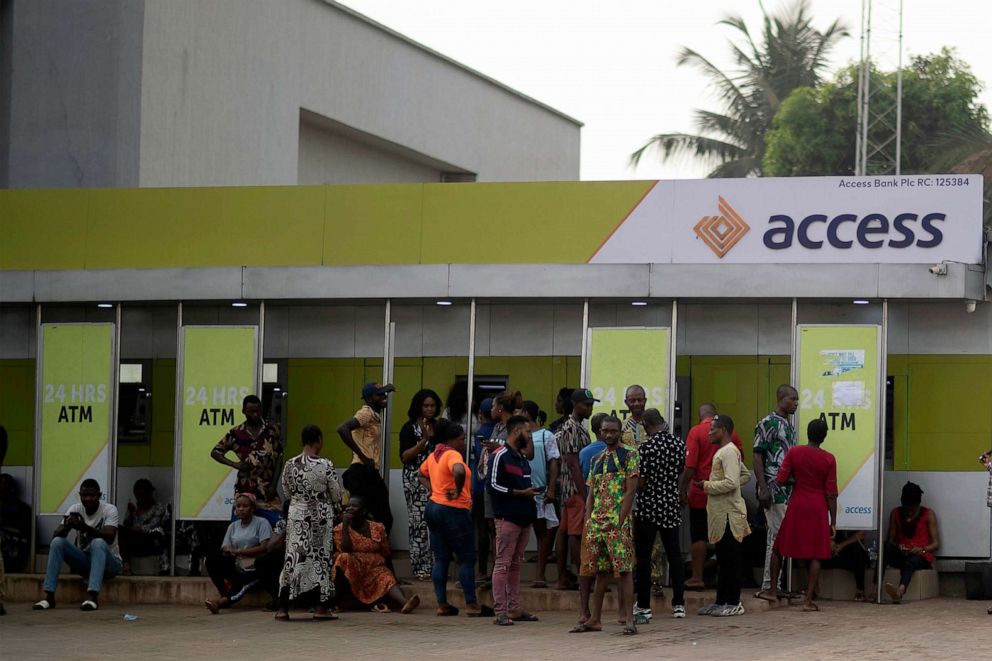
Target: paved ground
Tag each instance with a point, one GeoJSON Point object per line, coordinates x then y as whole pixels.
{"type": "Point", "coordinates": [946, 628]}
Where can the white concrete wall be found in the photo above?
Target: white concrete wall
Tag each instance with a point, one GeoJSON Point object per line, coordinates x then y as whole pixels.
{"type": "Point", "coordinates": [223, 84]}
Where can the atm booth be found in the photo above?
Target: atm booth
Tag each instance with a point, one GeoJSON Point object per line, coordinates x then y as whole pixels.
{"type": "Point", "coordinates": [153, 311]}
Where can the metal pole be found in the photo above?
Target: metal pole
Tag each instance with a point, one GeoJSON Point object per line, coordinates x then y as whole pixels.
{"type": "Point", "coordinates": [858, 138]}
{"type": "Point", "coordinates": [882, 400]}
{"type": "Point", "coordinates": [584, 360]}
{"type": "Point", "coordinates": [39, 376]}
{"type": "Point", "coordinates": [387, 375]}
{"type": "Point", "coordinates": [899, 99]}
{"type": "Point", "coordinates": [177, 439]}
{"type": "Point", "coordinates": [115, 403]}
{"type": "Point", "coordinates": [867, 90]}
{"type": "Point", "coordinates": [260, 352]}
{"type": "Point", "coordinates": [672, 356]}
{"type": "Point", "coordinates": [471, 377]}
{"type": "Point", "coordinates": [793, 379]}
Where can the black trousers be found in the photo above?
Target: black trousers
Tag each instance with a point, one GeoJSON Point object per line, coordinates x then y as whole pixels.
{"type": "Point", "coordinates": [268, 566]}
{"type": "Point", "coordinates": [360, 480]}
{"type": "Point", "coordinates": [229, 580]}
{"type": "Point", "coordinates": [906, 563]}
{"type": "Point", "coordinates": [854, 559]}
{"type": "Point", "coordinates": [728, 556]}
{"type": "Point", "coordinates": [644, 536]}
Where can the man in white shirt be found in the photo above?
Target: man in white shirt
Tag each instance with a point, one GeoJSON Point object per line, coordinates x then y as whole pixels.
{"type": "Point", "coordinates": [94, 555]}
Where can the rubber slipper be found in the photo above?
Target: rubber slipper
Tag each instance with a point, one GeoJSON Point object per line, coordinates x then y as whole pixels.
{"type": "Point", "coordinates": [630, 630]}
{"type": "Point", "coordinates": [812, 608]}
{"type": "Point", "coordinates": [326, 616]}
{"type": "Point", "coordinates": [381, 608]}
{"type": "Point", "coordinates": [525, 617]}
{"type": "Point", "coordinates": [411, 605]}
{"type": "Point", "coordinates": [766, 596]}
{"type": "Point", "coordinates": [502, 620]}
{"type": "Point", "coordinates": [582, 628]}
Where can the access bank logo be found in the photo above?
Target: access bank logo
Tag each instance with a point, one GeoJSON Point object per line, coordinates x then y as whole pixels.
{"type": "Point", "coordinates": [722, 232]}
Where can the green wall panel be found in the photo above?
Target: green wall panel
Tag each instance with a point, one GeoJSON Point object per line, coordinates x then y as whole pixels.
{"type": "Point", "coordinates": [17, 390]}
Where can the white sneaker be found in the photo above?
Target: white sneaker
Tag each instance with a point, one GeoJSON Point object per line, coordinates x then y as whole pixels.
{"type": "Point", "coordinates": [729, 611]}
{"type": "Point", "coordinates": [709, 609]}
{"type": "Point", "coordinates": [678, 612]}
{"type": "Point", "coordinates": [646, 612]}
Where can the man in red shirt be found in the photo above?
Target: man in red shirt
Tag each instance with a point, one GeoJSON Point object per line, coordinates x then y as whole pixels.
{"type": "Point", "coordinates": [699, 453]}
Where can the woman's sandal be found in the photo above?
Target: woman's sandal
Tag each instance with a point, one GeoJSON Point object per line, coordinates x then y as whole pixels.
{"type": "Point", "coordinates": [583, 628]}
{"type": "Point", "coordinates": [503, 620]}
{"type": "Point", "coordinates": [767, 596]}
{"type": "Point", "coordinates": [381, 608]}
{"type": "Point", "coordinates": [630, 630]}
{"type": "Point", "coordinates": [525, 617]}
{"type": "Point", "coordinates": [411, 605]}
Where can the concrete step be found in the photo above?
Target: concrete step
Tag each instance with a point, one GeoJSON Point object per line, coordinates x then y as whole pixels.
{"type": "Point", "coordinates": [193, 591]}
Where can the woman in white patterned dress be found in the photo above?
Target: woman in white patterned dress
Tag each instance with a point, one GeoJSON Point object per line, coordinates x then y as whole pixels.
{"type": "Point", "coordinates": [311, 484]}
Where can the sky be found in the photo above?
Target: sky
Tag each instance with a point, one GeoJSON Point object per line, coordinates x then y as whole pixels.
{"type": "Point", "coordinates": [612, 65]}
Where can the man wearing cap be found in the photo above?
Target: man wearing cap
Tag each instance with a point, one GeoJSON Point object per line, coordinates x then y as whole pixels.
{"type": "Point", "coordinates": [572, 437]}
{"type": "Point", "coordinates": [363, 436]}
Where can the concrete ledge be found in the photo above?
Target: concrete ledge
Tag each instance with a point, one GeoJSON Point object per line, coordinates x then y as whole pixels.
{"type": "Point", "coordinates": [924, 585]}
{"type": "Point", "coordinates": [193, 591]}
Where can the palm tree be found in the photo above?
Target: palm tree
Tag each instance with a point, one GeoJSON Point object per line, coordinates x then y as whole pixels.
{"type": "Point", "coordinates": [791, 54]}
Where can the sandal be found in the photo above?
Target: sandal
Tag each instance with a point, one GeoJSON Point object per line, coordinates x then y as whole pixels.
{"type": "Point", "coordinates": [525, 617]}
{"type": "Point", "coordinates": [447, 610]}
{"type": "Point", "coordinates": [484, 611]}
{"type": "Point", "coordinates": [381, 608]}
{"type": "Point", "coordinates": [811, 608]}
{"type": "Point", "coordinates": [893, 593]}
{"type": "Point", "coordinates": [503, 620]}
{"type": "Point", "coordinates": [282, 616]}
{"type": "Point", "coordinates": [411, 605]}
{"type": "Point", "coordinates": [325, 616]}
{"type": "Point", "coordinates": [630, 630]}
{"type": "Point", "coordinates": [212, 606]}
{"type": "Point", "coordinates": [583, 628]}
{"type": "Point", "coordinates": [766, 596]}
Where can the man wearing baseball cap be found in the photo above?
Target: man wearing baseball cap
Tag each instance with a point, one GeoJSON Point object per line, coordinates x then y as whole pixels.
{"type": "Point", "coordinates": [363, 436]}
{"type": "Point", "coordinates": [571, 438]}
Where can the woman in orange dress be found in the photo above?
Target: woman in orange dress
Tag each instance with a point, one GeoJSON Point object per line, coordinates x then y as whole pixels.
{"type": "Point", "coordinates": [361, 566]}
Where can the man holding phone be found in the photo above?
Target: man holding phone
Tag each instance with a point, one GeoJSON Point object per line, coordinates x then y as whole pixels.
{"type": "Point", "coordinates": [515, 510]}
{"type": "Point", "coordinates": [95, 553]}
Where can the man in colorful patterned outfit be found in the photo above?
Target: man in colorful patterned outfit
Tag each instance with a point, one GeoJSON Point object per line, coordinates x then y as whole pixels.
{"type": "Point", "coordinates": [608, 540]}
{"type": "Point", "coordinates": [258, 445]}
{"type": "Point", "coordinates": [773, 437]}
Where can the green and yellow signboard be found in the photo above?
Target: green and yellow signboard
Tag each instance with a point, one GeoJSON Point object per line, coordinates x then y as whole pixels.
{"type": "Point", "coordinates": [76, 407]}
{"type": "Point", "coordinates": [620, 357]}
{"type": "Point", "coordinates": [219, 366]}
{"type": "Point", "coordinates": [839, 382]}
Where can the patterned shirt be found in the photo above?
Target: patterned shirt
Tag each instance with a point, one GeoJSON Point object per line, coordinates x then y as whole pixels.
{"type": "Point", "coordinates": [662, 459]}
{"type": "Point", "coordinates": [154, 519]}
{"type": "Point", "coordinates": [773, 437]}
{"type": "Point", "coordinates": [633, 433]}
{"type": "Point", "coordinates": [608, 474]}
{"type": "Point", "coordinates": [368, 435]}
{"type": "Point", "coordinates": [571, 438]}
{"type": "Point", "coordinates": [261, 455]}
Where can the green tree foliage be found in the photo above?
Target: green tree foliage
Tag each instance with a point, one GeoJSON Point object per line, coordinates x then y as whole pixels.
{"type": "Point", "coordinates": [942, 121]}
{"type": "Point", "coordinates": [790, 53]}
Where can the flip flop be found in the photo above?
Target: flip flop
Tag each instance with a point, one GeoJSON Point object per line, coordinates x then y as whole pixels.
{"type": "Point", "coordinates": [89, 605]}
{"type": "Point", "coordinates": [893, 593]}
{"type": "Point", "coordinates": [411, 605]}
{"type": "Point", "coordinates": [282, 617]}
{"type": "Point", "coordinates": [447, 611]}
{"type": "Point", "coordinates": [582, 628]}
{"type": "Point", "coordinates": [502, 620]}
{"type": "Point", "coordinates": [381, 608]}
{"type": "Point", "coordinates": [766, 596]}
{"type": "Point", "coordinates": [812, 608]}
{"type": "Point", "coordinates": [525, 617]}
{"type": "Point", "coordinates": [630, 630]}
{"type": "Point", "coordinates": [325, 616]}
{"type": "Point", "coordinates": [211, 606]}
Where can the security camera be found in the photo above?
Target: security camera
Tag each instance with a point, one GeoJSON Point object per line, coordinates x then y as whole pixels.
{"type": "Point", "coordinates": [939, 269]}
{"type": "Point", "coordinates": [969, 306]}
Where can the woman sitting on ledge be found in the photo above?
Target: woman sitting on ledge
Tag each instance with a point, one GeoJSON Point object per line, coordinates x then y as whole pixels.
{"type": "Point", "coordinates": [913, 538]}
{"type": "Point", "coordinates": [360, 567]}
{"type": "Point", "coordinates": [233, 569]}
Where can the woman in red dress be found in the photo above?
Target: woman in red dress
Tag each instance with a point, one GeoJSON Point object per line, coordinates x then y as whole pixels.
{"type": "Point", "coordinates": [810, 521]}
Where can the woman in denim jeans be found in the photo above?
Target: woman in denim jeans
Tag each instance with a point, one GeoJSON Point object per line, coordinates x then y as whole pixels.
{"type": "Point", "coordinates": [449, 517]}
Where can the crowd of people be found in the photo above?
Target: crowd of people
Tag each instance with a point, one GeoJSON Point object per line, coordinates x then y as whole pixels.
{"type": "Point", "coordinates": [604, 497]}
